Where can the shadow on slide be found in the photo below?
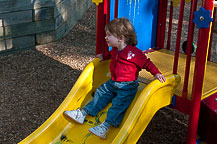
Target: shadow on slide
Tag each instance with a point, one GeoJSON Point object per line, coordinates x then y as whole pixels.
{"type": "Point", "coordinates": [149, 99]}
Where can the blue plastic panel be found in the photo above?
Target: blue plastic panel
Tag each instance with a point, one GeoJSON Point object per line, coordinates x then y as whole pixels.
{"type": "Point", "coordinates": [143, 15]}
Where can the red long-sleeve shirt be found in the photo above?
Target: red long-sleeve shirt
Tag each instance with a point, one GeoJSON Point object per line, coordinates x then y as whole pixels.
{"type": "Point", "coordinates": [126, 64]}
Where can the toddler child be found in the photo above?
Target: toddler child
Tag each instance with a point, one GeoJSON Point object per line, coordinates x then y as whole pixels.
{"type": "Point", "coordinates": [126, 62]}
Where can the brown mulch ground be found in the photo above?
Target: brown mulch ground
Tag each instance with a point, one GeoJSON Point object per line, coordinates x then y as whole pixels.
{"type": "Point", "coordinates": [35, 82]}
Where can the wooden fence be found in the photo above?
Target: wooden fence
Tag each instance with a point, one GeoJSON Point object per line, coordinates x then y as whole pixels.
{"type": "Point", "coordinates": [27, 23]}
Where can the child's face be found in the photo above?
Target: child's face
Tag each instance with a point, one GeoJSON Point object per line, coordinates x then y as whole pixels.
{"type": "Point", "coordinates": [111, 40]}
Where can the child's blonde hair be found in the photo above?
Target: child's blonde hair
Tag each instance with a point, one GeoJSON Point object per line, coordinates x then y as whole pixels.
{"type": "Point", "coordinates": [122, 27]}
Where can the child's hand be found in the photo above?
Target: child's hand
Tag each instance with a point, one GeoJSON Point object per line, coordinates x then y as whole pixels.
{"type": "Point", "coordinates": [160, 77]}
{"type": "Point", "coordinates": [100, 57]}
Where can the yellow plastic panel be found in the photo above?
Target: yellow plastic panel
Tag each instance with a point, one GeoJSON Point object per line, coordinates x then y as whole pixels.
{"type": "Point", "coordinates": [59, 130]}
{"type": "Point", "coordinates": [164, 59]}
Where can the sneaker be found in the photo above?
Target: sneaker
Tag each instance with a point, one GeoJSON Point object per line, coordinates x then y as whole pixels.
{"type": "Point", "coordinates": [75, 115]}
{"type": "Point", "coordinates": [99, 131]}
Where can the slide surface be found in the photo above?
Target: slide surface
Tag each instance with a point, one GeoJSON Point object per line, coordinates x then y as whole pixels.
{"type": "Point", "coordinates": [60, 130]}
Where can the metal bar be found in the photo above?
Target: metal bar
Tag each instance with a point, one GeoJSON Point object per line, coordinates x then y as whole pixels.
{"type": "Point", "coordinates": [180, 22]}
{"type": "Point", "coordinates": [161, 23]}
{"type": "Point", "coordinates": [200, 66]}
{"type": "Point", "coordinates": [189, 47]}
{"type": "Point", "coordinates": [107, 11]}
{"type": "Point", "coordinates": [100, 33]}
{"type": "Point", "coordinates": [106, 49]}
{"type": "Point", "coordinates": [163, 26]}
{"type": "Point", "coordinates": [170, 26]}
{"type": "Point", "coordinates": [116, 9]}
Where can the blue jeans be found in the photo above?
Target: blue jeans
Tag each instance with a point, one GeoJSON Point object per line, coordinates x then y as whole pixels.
{"type": "Point", "coordinates": [121, 94]}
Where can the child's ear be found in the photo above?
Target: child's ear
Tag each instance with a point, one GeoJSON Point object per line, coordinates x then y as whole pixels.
{"type": "Point", "coordinates": [122, 38]}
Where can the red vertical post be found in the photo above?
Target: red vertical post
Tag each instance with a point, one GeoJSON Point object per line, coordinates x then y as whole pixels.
{"type": "Point", "coordinates": [189, 48]}
{"type": "Point", "coordinates": [161, 26]}
{"type": "Point", "coordinates": [116, 9]}
{"type": "Point", "coordinates": [100, 25]}
{"type": "Point", "coordinates": [170, 25]}
{"type": "Point", "coordinates": [199, 72]}
{"type": "Point", "coordinates": [107, 12]}
{"type": "Point", "coordinates": [178, 39]}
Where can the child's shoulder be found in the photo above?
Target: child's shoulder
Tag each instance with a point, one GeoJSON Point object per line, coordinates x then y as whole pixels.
{"type": "Point", "coordinates": [135, 49]}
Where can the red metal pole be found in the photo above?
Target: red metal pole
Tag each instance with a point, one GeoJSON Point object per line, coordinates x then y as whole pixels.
{"type": "Point", "coordinates": [162, 13]}
{"type": "Point", "coordinates": [116, 9]}
{"type": "Point", "coordinates": [100, 25]}
{"type": "Point", "coordinates": [108, 11]}
{"type": "Point", "coordinates": [105, 6]}
{"type": "Point", "coordinates": [106, 49]}
{"type": "Point", "coordinates": [163, 24]}
{"type": "Point", "coordinates": [199, 71]}
{"type": "Point", "coordinates": [170, 25]}
{"type": "Point", "coordinates": [159, 24]}
{"type": "Point", "coordinates": [178, 39]}
{"type": "Point", "coordinates": [189, 48]}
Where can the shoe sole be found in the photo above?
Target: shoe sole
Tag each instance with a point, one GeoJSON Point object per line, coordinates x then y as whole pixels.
{"type": "Point", "coordinates": [71, 118]}
{"type": "Point", "coordinates": [97, 135]}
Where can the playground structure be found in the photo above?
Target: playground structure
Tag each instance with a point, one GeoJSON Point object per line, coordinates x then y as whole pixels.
{"type": "Point", "coordinates": [198, 81]}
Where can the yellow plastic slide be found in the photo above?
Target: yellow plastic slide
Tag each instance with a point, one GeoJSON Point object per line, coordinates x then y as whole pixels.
{"type": "Point", "coordinates": [60, 130]}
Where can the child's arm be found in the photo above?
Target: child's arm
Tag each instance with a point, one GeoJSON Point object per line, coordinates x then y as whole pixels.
{"type": "Point", "coordinates": [145, 63]}
{"type": "Point", "coordinates": [150, 67]}
{"type": "Point", "coordinates": [104, 56]}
